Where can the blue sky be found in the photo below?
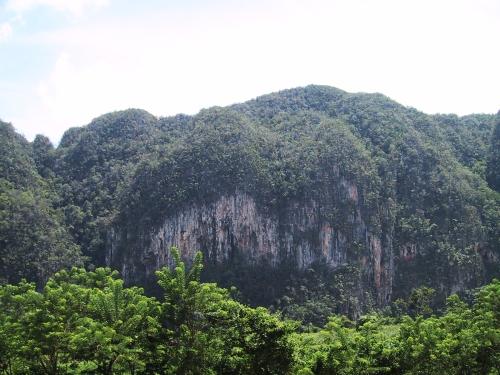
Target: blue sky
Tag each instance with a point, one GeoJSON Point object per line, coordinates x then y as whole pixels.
{"type": "Point", "coordinates": [64, 62]}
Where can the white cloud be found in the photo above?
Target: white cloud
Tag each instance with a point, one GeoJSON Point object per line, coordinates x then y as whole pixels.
{"type": "Point", "coordinates": [75, 7]}
{"type": "Point", "coordinates": [5, 31]}
{"type": "Point", "coordinates": [76, 92]}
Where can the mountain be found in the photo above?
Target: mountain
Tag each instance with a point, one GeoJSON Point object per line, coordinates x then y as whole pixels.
{"type": "Point", "coordinates": [34, 239]}
{"type": "Point", "coordinates": [310, 200]}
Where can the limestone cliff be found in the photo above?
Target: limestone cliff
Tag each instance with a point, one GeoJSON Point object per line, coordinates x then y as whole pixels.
{"type": "Point", "coordinates": [311, 199]}
{"type": "Point", "coordinates": [297, 235]}
{"type": "Point", "coordinates": [377, 197]}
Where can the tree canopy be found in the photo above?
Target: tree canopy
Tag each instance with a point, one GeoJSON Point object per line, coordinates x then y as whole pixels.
{"type": "Point", "coordinates": [425, 185]}
{"type": "Point", "coordinates": [85, 322]}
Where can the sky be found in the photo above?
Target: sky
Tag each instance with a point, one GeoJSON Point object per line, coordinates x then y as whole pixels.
{"type": "Point", "coordinates": [65, 62]}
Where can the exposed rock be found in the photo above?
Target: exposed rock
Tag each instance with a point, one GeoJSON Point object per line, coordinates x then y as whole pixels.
{"type": "Point", "coordinates": [408, 251]}
{"type": "Point", "coordinates": [234, 226]}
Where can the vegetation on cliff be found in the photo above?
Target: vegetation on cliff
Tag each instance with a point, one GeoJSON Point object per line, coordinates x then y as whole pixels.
{"type": "Point", "coordinates": [34, 239]}
{"type": "Point", "coordinates": [426, 186]}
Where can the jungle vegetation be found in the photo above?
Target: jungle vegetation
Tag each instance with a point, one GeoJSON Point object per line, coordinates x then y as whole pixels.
{"type": "Point", "coordinates": [89, 323]}
{"type": "Point", "coordinates": [428, 180]}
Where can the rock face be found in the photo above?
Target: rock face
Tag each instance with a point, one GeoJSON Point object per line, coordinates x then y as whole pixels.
{"type": "Point", "coordinates": [234, 226]}
{"type": "Point", "coordinates": [312, 194]}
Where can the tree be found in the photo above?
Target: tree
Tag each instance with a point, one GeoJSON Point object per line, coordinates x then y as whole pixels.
{"type": "Point", "coordinates": [83, 322]}
{"type": "Point", "coordinates": [493, 161]}
{"type": "Point", "coordinates": [208, 332]}
{"type": "Point", "coordinates": [419, 301]}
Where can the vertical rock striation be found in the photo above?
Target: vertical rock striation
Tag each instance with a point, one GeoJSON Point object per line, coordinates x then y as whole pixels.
{"type": "Point", "coordinates": [235, 227]}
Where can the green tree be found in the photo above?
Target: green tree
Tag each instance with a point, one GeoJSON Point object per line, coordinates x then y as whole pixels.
{"type": "Point", "coordinates": [420, 301]}
{"type": "Point", "coordinates": [113, 336]}
{"type": "Point", "coordinates": [34, 242]}
{"type": "Point", "coordinates": [493, 161]}
{"type": "Point", "coordinates": [82, 322]}
{"type": "Point", "coordinates": [209, 332]}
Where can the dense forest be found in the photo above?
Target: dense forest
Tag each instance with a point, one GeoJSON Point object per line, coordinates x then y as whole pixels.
{"type": "Point", "coordinates": [340, 234]}
{"type": "Point", "coordinates": [88, 322]}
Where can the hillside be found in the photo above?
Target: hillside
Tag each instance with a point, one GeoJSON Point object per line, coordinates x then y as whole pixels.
{"type": "Point", "coordinates": [311, 200]}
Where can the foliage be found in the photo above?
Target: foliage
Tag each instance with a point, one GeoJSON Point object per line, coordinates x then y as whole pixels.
{"type": "Point", "coordinates": [34, 242]}
{"type": "Point", "coordinates": [420, 180]}
{"type": "Point", "coordinates": [425, 186]}
{"type": "Point", "coordinates": [493, 160]}
{"type": "Point", "coordinates": [215, 334]}
{"type": "Point", "coordinates": [88, 322]}
{"type": "Point", "coordinates": [464, 340]}
{"type": "Point", "coordinates": [92, 164]}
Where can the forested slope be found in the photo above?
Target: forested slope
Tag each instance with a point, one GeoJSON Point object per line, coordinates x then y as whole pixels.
{"type": "Point", "coordinates": [34, 238]}
{"type": "Point", "coordinates": [311, 200]}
